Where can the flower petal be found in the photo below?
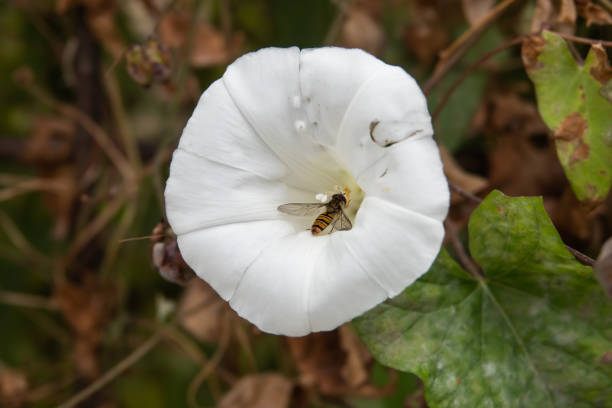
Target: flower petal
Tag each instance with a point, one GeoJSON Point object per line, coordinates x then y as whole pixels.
{"type": "Point", "coordinates": [329, 79]}
{"type": "Point", "coordinates": [410, 175]}
{"type": "Point", "coordinates": [218, 131]}
{"type": "Point", "coordinates": [212, 253]}
{"type": "Point", "coordinates": [395, 245]}
{"type": "Point", "coordinates": [273, 291]}
{"type": "Point", "coordinates": [201, 193]}
{"type": "Point", "coordinates": [265, 86]}
{"type": "Point", "coordinates": [388, 109]}
{"type": "Point", "coordinates": [340, 288]}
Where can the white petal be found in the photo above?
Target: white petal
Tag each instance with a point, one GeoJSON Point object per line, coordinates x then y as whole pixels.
{"type": "Point", "coordinates": [273, 293]}
{"type": "Point", "coordinates": [201, 193]}
{"type": "Point", "coordinates": [266, 88]}
{"type": "Point", "coordinates": [220, 255]}
{"type": "Point", "coordinates": [340, 288]}
{"type": "Point", "coordinates": [395, 245]}
{"type": "Point", "coordinates": [389, 108]}
{"type": "Point", "coordinates": [410, 175]}
{"type": "Point", "coordinates": [218, 131]}
{"type": "Point", "coordinates": [329, 79]}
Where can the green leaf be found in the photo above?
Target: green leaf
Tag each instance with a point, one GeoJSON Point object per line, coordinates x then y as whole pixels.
{"type": "Point", "coordinates": [533, 333]}
{"type": "Point", "coordinates": [572, 101]}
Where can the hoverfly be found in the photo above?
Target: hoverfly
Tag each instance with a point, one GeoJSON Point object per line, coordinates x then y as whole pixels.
{"type": "Point", "coordinates": [333, 214]}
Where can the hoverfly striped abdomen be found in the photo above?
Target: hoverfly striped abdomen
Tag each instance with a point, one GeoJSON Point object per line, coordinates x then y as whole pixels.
{"type": "Point", "coordinates": [322, 221]}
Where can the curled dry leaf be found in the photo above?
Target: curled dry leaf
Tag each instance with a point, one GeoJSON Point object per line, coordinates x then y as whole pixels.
{"type": "Point", "coordinates": [87, 306]}
{"type": "Point", "coordinates": [13, 387]}
{"type": "Point", "coordinates": [166, 257]}
{"type": "Point", "coordinates": [593, 13]}
{"type": "Point", "coordinates": [259, 391]}
{"type": "Point", "coordinates": [334, 363]}
{"type": "Point", "coordinates": [603, 269]}
{"type": "Point", "coordinates": [203, 311]}
{"type": "Point", "coordinates": [559, 16]}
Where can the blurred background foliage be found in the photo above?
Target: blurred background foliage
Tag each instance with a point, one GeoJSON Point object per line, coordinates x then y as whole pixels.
{"type": "Point", "coordinates": [95, 94]}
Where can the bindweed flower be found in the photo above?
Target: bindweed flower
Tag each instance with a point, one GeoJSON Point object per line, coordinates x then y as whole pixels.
{"type": "Point", "coordinates": [298, 126]}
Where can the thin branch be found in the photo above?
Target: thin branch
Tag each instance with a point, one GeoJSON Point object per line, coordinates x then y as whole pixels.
{"type": "Point", "coordinates": [466, 260]}
{"type": "Point", "coordinates": [470, 70]}
{"type": "Point", "coordinates": [27, 300]}
{"type": "Point", "coordinates": [584, 259]}
{"type": "Point", "coordinates": [208, 368]}
{"type": "Point", "coordinates": [451, 55]}
{"type": "Point", "coordinates": [97, 133]}
{"type": "Point", "coordinates": [336, 26]}
{"type": "Point", "coordinates": [464, 194]}
{"type": "Point", "coordinates": [31, 185]}
{"type": "Point", "coordinates": [583, 40]}
{"type": "Point", "coordinates": [114, 372]}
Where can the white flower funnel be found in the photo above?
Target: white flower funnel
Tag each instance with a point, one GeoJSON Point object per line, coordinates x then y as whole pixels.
{"type": "Point", "coordinates": [288, 125]}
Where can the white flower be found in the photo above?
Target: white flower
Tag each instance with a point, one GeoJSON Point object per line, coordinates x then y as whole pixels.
{"type": "Point", "coordinates": [288, 125]}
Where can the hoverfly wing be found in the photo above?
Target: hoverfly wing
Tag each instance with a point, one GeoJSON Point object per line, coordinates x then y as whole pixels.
{"type": "Point", "coordinates": [341, 222]}
{"type": "Point", "coordinates": [301, 208]}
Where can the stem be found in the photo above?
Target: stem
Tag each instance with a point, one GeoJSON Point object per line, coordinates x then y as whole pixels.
{"type": "Point", "coordinates": [583, 40]}
{"type": "Point", "coordinates": [450, 56]}
{"type": "Point", "coordinates": [114, 372]}
{"type": "Point", "coordinates": [470, 70]}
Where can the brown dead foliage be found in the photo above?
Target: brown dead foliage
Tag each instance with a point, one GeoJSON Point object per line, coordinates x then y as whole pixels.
{"type": "Point", "coordinates": [335, 364]}
{"type": "Point", "coordinates": [602, 72]}
{"type": "Point", "coordinates": [530, 51]}
{"type": "Point", "coordinates": [474, 10]}
{"type": "Point", "coordinates": [361, 29]}
{"type": "Point", "coordinates": [522, 159]}
{"type": "Point", "coordinates": [209, 46]}
{"type": "Point", "coordinates": [259, 391]}
{"type": "Point", "coordinates": [13, 387]}
{"type": "Point", "coordinates": [203, 312]}
{"type": "Point", "coordinates": [87, 306]}
{"type": "Point", "coordinates": [593, 13]}
{"type": "Point", "coordinates": [554, 15]}
{"type": "Point", "coordinates": [426, 35]}
{"type": "Point", "coordinates": [100, 16]}
{"type": "Point", "coordinates": [50, 150]}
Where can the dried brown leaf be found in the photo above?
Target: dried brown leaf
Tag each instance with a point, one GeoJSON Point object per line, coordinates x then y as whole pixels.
{"type": "Point", "coordinates": [362, 30]}
{"type": "Point", "coordinates": [259, 391]}
{"type": "Point", "coordinates": [203, 311]}
{"type": "Point", "coordinates": [426, 36]}
{"type": "Point", "coordinates": [475, 10]}
{"type": "Point", "coordinates": [334, 363]}
{"type": "Point", "coordinates": [87, 306]}
{"type": "Point", "coordinates": [593, 13]}
{"type": "Point", "coordinates": [209, 46]}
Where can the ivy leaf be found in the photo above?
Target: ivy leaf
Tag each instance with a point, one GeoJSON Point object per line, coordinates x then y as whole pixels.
{"type": "Point", "coordinates": [573, 101]}
{"type": "Point", "coordinates": [535, 332]}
